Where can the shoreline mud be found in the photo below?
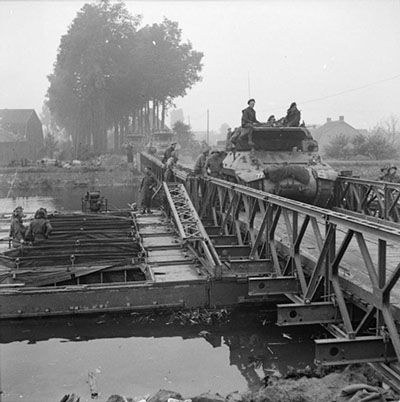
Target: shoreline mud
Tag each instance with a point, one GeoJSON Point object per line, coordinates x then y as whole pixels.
{"type": "Point", "coordinates": [349, 384]}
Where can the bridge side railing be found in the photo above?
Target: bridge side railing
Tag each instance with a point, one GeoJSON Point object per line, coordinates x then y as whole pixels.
{"type": "Point", "coordinates": [338, 260]}
{"type": "Point", "coordinates": [379, 199]}
{"type": "Point", "coordinates": [276, 227]}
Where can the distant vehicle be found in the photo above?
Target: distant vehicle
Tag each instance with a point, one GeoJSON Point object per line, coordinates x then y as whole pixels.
{"type": "Point", "coordinates": [138, 141]}
{"type": "Point", "coordinates": [285, 162]}
{"type": "Point", "coordinates": [161, 140]}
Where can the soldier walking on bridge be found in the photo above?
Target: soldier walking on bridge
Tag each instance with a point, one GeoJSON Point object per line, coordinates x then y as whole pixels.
{"type": "Point", "coordinates": [169, 167]}
{"type": "Point", "coordinates": [147, 185]}
{"type": "Point", "coordinates": [168, 152]}
{"type": "Point", "coordinates": [200, 163]}
{"type": "Point", "coordinates": [213, 165]}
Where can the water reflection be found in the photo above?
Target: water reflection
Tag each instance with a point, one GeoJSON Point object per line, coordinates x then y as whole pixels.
{"type": "Point", "coordinates": [66, 199]}
{"type": "Point", "coordinates": [239, 355]}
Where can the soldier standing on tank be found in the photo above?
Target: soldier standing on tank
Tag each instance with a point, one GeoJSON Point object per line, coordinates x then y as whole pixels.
{"type": "Point", "coordinates": [148, 183]}
{"type": "Point", "coordinates": [293, 116]}
{"type": "Point", "coordinates": [249, 121]}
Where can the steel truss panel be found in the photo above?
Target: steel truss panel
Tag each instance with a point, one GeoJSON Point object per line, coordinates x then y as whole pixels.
{"type": "Point", "coordinates": [273, 286]}
{"type": "Point", "coordinates": [370, 197]}
{"type": "Point", "coordinates": [359, 350]}
{"type": "Point", "coordinates": [306, 314]}
{"type": "Point", "coordinates": [186, 218]}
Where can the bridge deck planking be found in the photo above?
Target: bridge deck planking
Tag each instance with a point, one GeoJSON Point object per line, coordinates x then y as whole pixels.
{"type": "Point", "coordinates": [167, 258]}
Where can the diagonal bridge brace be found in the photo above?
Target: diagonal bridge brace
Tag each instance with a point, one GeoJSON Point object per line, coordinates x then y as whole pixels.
{"type": "Point", "coordinates": [190, 228]}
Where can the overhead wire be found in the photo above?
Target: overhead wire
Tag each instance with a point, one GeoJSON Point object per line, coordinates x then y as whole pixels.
{"type": "Point", "coordinates": [338, 93]}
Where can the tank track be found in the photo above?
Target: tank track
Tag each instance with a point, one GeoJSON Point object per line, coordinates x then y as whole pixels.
{"type": "Point", "coordinates": [325, 191]}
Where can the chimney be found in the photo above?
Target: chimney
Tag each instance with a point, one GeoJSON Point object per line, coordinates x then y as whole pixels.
{"type": "Point", "coordinates": [328, 119]}
{"type": "Point", "coordinates": [341, 118]}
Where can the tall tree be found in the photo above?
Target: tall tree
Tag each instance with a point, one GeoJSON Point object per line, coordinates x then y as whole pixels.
{"type": "Point", "coordinates": [184, 134]}
{"type": "Point", "coordinates": [91, 58]}
{"type": "Point", "coordinates": [169, 67]}
{"type": "Point", "coordinates": [108, 74]}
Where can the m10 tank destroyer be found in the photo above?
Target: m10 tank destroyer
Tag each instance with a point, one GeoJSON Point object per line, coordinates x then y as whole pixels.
{"type": "Point", "coordinates": [283, 161]}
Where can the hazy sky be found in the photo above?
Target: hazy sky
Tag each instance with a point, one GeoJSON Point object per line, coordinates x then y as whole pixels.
{"type": "Point", "coordinates": [331, 57]}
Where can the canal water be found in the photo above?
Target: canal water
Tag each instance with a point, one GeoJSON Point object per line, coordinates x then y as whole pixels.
{"type": "Point", "coordinates": [66, 199]}
{"type": "Point", "coordinates": [133, 355]}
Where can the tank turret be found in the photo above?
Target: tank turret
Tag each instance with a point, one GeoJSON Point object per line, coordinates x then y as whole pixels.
{"type": "Point", "coordinates": [283, 161]}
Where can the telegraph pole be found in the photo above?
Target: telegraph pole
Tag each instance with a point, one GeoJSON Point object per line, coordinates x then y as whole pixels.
{"type": "Point", "coordinates": [208, 127]}
{"type": "Point", "coordinates": [248, 84]}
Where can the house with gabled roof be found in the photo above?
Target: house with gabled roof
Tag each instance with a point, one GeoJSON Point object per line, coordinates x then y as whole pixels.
{"type": "Point", "coordinates": [21, 135]}
{"type": "Point", "coordinates": [331, 129]}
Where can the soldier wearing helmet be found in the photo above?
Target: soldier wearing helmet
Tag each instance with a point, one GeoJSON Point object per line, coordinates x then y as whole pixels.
{"type": "Point", "coordinates": [17, 228]}
{"type": "Point", "coordinates": [39, 228]}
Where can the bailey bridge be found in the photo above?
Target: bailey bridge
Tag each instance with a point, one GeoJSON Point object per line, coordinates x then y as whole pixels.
{"type": "Point", "coordinates": [338, 267]}
{"type": "Point", "coordinates": [220, 244]}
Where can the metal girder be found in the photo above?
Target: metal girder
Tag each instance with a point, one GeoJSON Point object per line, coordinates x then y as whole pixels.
{"type": "Point", "coordinates": [306, 314]}
{"type": "Point", "coordinates": [213, 230]}
{"type": "Point", "coordinates": [226, 252]}
{"type": "Point", "coordinates": [359, 350]}
{"type": "Point", "coordinates": [229, 240]}
{"type": "Point", "coordinates": [251, 267]}
{"type": "Point", "coordinates": [273, 286]}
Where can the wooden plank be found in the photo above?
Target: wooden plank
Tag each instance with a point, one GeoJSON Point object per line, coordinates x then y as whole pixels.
{"type": "Point", "coordinates": [170, 273]}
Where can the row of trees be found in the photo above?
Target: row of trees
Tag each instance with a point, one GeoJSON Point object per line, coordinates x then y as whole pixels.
{"type": "Point", "coordinates": [382, 142]}
{"type": "Point", "coordinates": [109, 73]}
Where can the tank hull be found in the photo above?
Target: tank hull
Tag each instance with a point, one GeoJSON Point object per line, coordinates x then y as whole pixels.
{"type": "Point", "coordinates": [283, 162]}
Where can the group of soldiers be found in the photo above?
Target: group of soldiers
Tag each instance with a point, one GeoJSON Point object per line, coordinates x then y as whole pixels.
{"type": "Point", "coordinates": [249, 121]}
{"type": "Point", "coordinates": [209, 162]}
{"type": "Point", "coordinates": [389, 173]}
{"type": "Point", "coordinates": [38, 229]}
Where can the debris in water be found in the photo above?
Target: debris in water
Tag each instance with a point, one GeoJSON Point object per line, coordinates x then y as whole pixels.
{"type": "Point", "coordinates": [92, 381]}
{"type": "Point", "coordinates": [200, 317]}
